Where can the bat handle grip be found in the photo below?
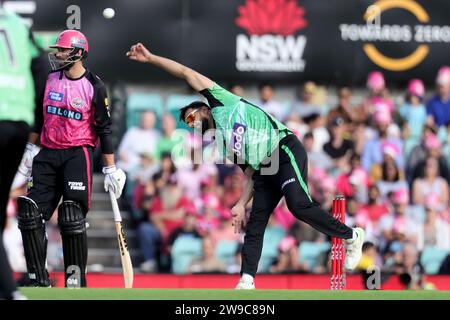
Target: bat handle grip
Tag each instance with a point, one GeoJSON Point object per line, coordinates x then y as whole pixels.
{"type": "Point", "coordinates": [115, 207]}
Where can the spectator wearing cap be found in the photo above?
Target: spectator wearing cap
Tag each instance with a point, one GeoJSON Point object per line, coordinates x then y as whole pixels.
{"type": "Point", "coordinates": [435, 231]}
{"type": "Point", "coordinates": [372, 152]}
{"type": "Point", "coordinates": [354, 183]}
{"type": "Point", "coordinates": [269, 104]}
{"type": "Point", "coordinates": [433, 150]}
{"type": "Point", "coordinates": [359, 182]}
{"type": "Point", "coordinates": [327, 191]}
{"type": "Point", "coordinates": [378, 94]}
{"type": "Point", "coordinates": [338, 148]}
{"type": "Point", "coordinates": [305, 106]}
{"type": "Point", "coordinates": [138, 140]}
{"type": "Point", "coordinates": [419, 152]}
{"type": "Point", "coordinates": [398, 226]}
{"type": "Point", "coordinates": [392, 178]}
{"type": "Point", "coordinates": [438, 107]}
{"type": "Point", "coordinates": [389, 152]}
{"type": "Point", "coordinates": [413, 111]}
{"type": "Point", "coordinates": [430, 183]}
{"type": "Point", "coordinates": [317, 125]}
{"type": "Point", "coordinates": [288, 259]}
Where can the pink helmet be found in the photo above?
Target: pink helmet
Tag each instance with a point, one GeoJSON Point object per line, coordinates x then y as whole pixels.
{"type": "Point", "coordinates": [375, 80]}
{"type": "Point", "coordinates": [68, 39]}
{"type": "Point", "coordinates": [400, 196]}
{"type": "Point", "coordinates": [71, 39]}
{"type": "Point", "coordinates": [287, 243]}
{"type": "Point", "coordinates": [432, 142]}
{"type": "Point", "coordinates": [416, 88]}
{"type": "Point", "coordinates": [382, 115]}
{"type": "Point", "coordinates": [390, 149]}
{"type": "Point", "coordinates": [443, 76]}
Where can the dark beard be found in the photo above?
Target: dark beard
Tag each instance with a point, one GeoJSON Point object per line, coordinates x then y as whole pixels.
{"type": "Point", "coordinates": [205, 125]}
{"type": "Point", "coordinates": [68, 66]}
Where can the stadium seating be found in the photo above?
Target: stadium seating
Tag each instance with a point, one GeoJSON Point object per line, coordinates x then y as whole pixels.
{"type": "Point", "coordinates": [310, 253]}
{"type": "Point", "coordinates": [226, 250]}
{"type": "Point", "coordinates": [138, 102]}
{"type": "Point", "coordinates": [185, 250]}
{"type": "Point", "coordinates": [272, 238]}
{"type": "Point", "coordinates": [432, 258]}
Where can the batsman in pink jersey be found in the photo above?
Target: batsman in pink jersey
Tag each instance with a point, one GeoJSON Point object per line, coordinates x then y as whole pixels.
{"type": "Point", "coordinates": [71, 117]}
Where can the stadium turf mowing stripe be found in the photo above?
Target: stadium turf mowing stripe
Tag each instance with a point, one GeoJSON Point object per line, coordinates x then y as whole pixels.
{"type": "Point", "coordinates": [195, 294]}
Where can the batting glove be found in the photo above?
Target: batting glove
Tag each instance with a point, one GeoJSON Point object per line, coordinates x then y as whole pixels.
{"type": "Point", "coordinates": [31, 150]}
{"type": "Point", "coordinates": [114, 180]}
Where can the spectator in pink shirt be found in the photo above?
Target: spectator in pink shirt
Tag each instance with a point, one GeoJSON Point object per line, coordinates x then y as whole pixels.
{"type": "Point", "coordinates": [282, 215]}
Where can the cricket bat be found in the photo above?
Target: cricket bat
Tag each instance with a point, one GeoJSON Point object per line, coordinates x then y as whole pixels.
{"type": "Point", "coordinates": [127, 267]}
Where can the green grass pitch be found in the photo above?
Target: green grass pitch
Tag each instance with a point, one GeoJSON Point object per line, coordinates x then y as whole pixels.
{"type": "Point", "coordinates": [195, 294]}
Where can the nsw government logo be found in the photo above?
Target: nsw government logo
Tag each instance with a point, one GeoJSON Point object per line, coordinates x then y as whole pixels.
{"type": "Point", "coordinates": [237, 138]}
{"type": "Point", "coordinates": [270, 43]}
{"type": "Point", "coordinates": [55, 96]}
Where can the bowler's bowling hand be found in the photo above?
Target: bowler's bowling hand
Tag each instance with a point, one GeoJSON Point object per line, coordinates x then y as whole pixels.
{"type": "Point", "coordinates": [238, 217]}
{"type": "Point", "coordinates": [139, 52]}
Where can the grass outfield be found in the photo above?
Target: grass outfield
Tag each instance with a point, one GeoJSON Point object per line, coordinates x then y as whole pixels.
{"type": "Point", "coordinates": [191, 294]}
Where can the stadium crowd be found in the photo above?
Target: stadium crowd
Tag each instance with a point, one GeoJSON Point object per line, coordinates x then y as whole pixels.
{"type": "Point", "coordinates": [389, 156]}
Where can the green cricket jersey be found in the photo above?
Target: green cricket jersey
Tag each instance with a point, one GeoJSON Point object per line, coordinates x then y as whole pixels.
{"type": "Point", "coordinates": [16, 80]}
{"type": "Point", "coordinates": [244, 132]}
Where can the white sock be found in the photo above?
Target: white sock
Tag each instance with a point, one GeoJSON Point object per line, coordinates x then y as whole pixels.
{"type": "Point", "coordinates": [246, 277]}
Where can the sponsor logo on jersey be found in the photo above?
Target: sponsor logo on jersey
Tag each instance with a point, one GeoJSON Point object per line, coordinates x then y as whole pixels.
{"type": "Point", "coordinates": [57, 111]}
{"type": "Point", "coordinates": [107, 107]}
{"type": "Point", "coordinates": [76, 186]}
{"type": "Point", "coordinates": [77, 103]}
{"type": "Point", "coordinates": [56, 96]}
{"type": "Point", "coordinates": [237, 138]}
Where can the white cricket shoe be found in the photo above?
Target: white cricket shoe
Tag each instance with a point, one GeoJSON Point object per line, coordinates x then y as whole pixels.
{"type": "Point", "coordinates": [245, 285]}
{"type": "Point", "coordinates": [17, 295]}
{"type": "Point", "coordinates": [354, 250]}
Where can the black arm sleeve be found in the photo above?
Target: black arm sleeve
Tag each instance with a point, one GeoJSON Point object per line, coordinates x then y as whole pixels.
{"type": "Point", "coordinates": [39, 70]}
{"type": "Point", "coordinates": [103, 119]}
{"type": "Point", "coordinates": [38, 112]}
{"type": "Point", "coordinates": [212, 101]}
